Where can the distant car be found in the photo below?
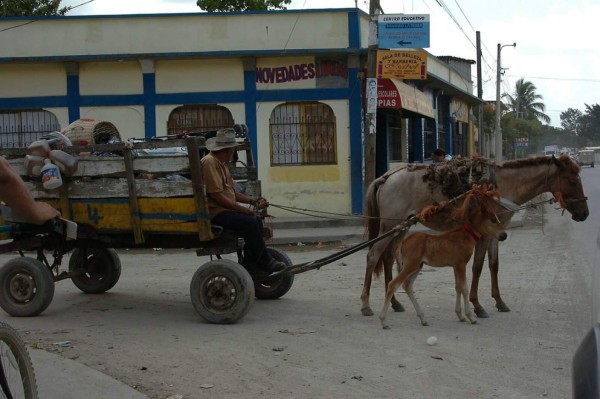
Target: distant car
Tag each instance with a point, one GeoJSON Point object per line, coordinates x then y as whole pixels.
{"type": "Point", "coordinates": [586, 157]}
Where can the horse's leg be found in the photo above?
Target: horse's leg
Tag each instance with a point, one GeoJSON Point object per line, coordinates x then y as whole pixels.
{"type": "Point", "coordinates": [462, 292]}
{"type": "Point", "coordinates": [389, 293]}
{"type": "Point", "coordinates": [408, 287]}
{"type": "Point", "coordinates": [372, 260]}
{"type": "Point", "coordinates": [458, 284]}
{"type": "Point", "coordinates": [478, 260]}
{"type": "Point", "coordinates": [388, 265]}
{"type": "Point", "coordinates": [494, 266]}
{"type": "Point", "coordinates": [377, 253]}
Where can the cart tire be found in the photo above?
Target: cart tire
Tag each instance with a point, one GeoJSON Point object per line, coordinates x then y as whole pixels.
{"type": "Point", "coordinates": [277, 287]}
{"type": "Point", "coordinates": [102, 269]}
{"type": "Point", "coordinates": [222, 291]}
{"type": "Point", "coordinates": [26, 287]}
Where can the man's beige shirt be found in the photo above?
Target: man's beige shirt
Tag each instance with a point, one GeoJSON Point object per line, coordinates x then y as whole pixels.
{"type": "Point", "coordinates": [217, 180]}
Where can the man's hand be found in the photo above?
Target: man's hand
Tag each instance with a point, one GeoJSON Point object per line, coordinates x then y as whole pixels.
{"type": "Point", "coordinates": [261, 203]}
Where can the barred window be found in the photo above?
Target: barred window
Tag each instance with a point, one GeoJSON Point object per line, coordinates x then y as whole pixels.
{"type": "Point", "coordinates": [19, 128]}
{"type": "Point", "coordinates": [303, 134]}
{"type": "Point", "coordinates": [198, 118]}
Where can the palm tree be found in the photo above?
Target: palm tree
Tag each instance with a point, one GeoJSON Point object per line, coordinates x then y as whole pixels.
{"type": "Point", "coordinates": [525, 103]}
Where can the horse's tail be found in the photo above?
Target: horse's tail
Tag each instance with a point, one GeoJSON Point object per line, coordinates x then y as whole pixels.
{"type": "Point", "coordinates": [372, 208]}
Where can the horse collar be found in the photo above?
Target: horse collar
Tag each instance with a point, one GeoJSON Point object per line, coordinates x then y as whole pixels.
{"type": "Point", "coordinates": [476, 236]}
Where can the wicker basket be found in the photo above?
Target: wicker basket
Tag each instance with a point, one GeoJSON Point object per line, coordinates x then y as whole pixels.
{"type": "Point", "coordinates": [90, 131]}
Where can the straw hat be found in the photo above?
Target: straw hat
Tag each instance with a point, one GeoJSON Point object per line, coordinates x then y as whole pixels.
{"type": "Point", "coordinates": [225, 138]}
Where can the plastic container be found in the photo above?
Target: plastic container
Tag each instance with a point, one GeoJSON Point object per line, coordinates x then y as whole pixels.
{"type": "Point", "coordinates": [67, 163]}
{"type": "Point", "coordinates": [33, 165]}
{"type": "Point", "coordinates": [50, 174]}
{"type": "Point", "coordinates": [39, 148]}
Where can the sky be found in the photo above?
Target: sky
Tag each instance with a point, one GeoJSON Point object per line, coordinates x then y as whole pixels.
{"type": "Point", "coordinates": [555, 40]}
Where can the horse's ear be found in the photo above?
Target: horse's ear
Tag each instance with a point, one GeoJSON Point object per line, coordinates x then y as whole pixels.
{"type": "Point", "coordinates": [558, 163]}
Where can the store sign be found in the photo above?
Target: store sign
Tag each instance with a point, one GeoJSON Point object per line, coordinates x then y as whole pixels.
{"type": "Point", "coordinates": [402, 64]}
{"type": "Point", "coordinates": [322, 72]}
{"type": "Point", "coordinates": [403, 31]}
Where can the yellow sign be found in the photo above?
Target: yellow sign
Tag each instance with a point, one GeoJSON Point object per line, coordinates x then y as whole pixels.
{"type": "Point", "coordinates": [402, 64]}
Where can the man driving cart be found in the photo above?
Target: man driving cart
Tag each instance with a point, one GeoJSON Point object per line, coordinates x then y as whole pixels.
{"type": "Point", "coordinates": [226, 204]}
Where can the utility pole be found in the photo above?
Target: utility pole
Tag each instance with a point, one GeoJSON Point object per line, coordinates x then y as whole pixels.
{"type": "Point", "coordinates": [482, 148]}
{"type": "Point", "coordinates": [498, 130]}
{"type": "Point", "coordinates": [370, 125]}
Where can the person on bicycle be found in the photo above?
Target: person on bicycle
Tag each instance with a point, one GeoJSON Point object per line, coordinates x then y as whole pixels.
{"type": "Point", "coordinates": [226, 204]}
{"type": "Point", "coordinates": [14, 193]}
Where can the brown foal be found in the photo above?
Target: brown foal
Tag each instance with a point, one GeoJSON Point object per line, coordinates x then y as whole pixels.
{"type": "Point", "coordinates": [453, 248]}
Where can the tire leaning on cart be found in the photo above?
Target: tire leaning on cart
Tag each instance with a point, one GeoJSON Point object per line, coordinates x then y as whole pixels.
{"type": "Point", "coordinates": [26, 287]}
{"type": "Point", "coordinates": [95, 270]}
{"type": "Point", "coordinates": [276, 287]}
{"type": "Point", "coordinates": [222, 291]}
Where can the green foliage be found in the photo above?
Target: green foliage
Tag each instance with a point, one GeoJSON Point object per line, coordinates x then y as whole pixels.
{"type": "Point", "coordinates": [569, 120]}
{"type": "Point", "coordinates": [525, 102]}
{"type": "Point", "coordinates": [31, 8]}
{"type": "Point", "coordinates": [589, 124]}
{"type": "Point", "coordinates": [241, 5]}
{"type": "Point", "coordinates": [513, 128]}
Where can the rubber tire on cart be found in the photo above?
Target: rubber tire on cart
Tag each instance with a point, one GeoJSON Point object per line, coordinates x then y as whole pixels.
{"type": "Point", "coordinates": [103, 269]}
{"type": "Point", "coordinates": [222, 291]}
{"type": "Point", "coordinates": [26, 287]}
{"type": "Point", "coordinates": [276, 287]}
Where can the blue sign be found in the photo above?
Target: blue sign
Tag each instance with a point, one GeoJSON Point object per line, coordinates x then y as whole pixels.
{"type": "Point", "coordinates": [403, 31]}
{"type": "Point", "coordinates": [521, 143]}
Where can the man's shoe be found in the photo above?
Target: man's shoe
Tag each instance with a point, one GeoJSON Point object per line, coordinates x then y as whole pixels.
{"type": "Point", "coordinates": [275, 266]}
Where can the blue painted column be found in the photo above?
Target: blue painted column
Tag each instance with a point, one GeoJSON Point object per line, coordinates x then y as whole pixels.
{"type": "Point", "coordinates": [73, 97]}
{"type": "Point", "coordinates": [250, 104]}
{"type": "Point", "coordinates": [418, 142]}
{"type": "Point", "coordinates": [356, 141]}
{"type": "Point", "coordinates": [355, 105]}
{"type": "Point", "coordinates": [149, 97]}
{"type": "Point", "coordinates": [449, 131]}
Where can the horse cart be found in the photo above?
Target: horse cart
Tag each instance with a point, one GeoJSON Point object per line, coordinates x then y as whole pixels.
{"type": "Point", "coordinates": [131, 195]}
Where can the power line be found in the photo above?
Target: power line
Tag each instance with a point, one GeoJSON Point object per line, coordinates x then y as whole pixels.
{"type": "Point", "coordinates": [30, 22]}
{"type": "Point", "coordinates": [552, 78]}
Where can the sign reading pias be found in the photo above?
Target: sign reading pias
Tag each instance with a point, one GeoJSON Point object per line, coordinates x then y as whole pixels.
{"type": "Point", "coordinates": [402, 64]}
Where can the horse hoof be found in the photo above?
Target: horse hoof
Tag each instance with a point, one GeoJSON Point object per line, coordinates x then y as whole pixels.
{"type": "Point", "coordinates": [481, 313]}
{"type": "Point", "coordinates": [473, 321]}
{"type": "Point", "coordinates": [503, 308]}
{"type": "Point", "coordinates": [424, 323]}
{"type": "Point", "coordinates": [398, 307]}
{"type": "Point", "coordinates": [386, 327]}
{"type": "Point", "coordinates": [366, 312]}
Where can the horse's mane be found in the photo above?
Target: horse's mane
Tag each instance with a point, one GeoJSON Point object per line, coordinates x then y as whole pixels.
{"type": "Point", "coordinates": [484, 195]}
{"type": "Point", "coordinates": [564, 159]}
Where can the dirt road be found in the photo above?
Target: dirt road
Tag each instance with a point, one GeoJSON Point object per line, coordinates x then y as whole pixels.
{"type": "Point", "coordinates": [314, 342]}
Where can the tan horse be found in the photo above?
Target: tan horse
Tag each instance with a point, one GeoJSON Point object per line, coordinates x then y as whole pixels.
{"type": "Point", "coordinates": [402, 193]}
{"type": "Point", "coordinates": [453, 248]}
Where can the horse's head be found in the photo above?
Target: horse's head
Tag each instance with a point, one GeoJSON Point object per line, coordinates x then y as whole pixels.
{"type": "Point", "coordinates": [486, 223]}
{"type": "Point", "coordinates": [567, 188]}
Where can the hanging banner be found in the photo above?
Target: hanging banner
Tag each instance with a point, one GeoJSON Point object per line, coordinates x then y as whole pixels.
{"type": "Point", "coordinates": [402, 64]}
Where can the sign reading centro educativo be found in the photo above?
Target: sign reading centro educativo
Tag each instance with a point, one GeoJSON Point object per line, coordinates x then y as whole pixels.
{"type": "Point", "coordinates": [402, 64]}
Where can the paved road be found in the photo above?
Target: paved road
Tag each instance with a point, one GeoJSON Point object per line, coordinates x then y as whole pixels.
{"type": "Point", "coordinates": [314, 342]}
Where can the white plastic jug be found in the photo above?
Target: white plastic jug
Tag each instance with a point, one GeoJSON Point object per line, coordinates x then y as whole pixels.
{"type": "Point", "coordinates": [50, 174]}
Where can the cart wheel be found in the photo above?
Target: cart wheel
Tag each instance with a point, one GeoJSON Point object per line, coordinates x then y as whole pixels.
{"type": "Point", "coordinates": [98, 272]}
{"type": "Point", "coordinates": [221, 291]}
{"type": "Point", "coordinates": [26, 287]}
{"type": "Point", "coordinates": [276, 287]}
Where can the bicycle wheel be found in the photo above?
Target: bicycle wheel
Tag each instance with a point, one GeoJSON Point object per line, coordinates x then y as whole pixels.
{"type": "Point", "coordinates": [17, 378]}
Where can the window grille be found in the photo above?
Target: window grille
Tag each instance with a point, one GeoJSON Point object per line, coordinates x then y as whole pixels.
{"type": "Point", "coordinates": [303, 134]}
{"type": "Point", "coordinates": [198, 118]}
{"type": "Point", "coordinates": [19, 128]}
